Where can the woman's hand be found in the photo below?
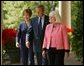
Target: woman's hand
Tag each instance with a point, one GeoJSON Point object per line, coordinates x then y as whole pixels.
{"type": "Point", "coordinates": [67, 54]}
{"type": "Point", "coordinates": [27, 44]}
{"type": "Point", "coordinates": [17, 45]}
{"type": "Point", "coordinates": [43, 54]}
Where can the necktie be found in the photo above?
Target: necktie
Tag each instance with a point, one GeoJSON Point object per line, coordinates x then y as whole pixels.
{"type": "Point", "coordinates": [39, 26]}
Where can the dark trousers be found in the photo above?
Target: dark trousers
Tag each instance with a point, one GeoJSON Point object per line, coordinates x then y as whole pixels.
{"type": "Point", "coordinates": [39, 58]}
{"type": "Point", "coordinates": [31, 55]}
{"type": "Point", "coordinates": [24, 55]}
{"type": "Point", "coordinates": [55, 57]}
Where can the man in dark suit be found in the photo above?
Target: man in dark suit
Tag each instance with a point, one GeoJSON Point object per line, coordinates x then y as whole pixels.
{"type": "Point", "coordinates": [39, 24]}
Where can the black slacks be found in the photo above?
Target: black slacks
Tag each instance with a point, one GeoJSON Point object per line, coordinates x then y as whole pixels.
{"type": "Point", "coordinates": [55, 57]}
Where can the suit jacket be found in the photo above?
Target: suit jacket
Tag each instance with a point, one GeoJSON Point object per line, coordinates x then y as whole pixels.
{"type": "Point", "coordinates": [38, 39]}
{"type": "Point", "coordinates": [21, 33]}
{"type": "Point", "coordinates": [60, 38]}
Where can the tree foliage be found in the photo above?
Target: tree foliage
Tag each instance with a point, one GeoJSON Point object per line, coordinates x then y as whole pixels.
{"type": "Point", "coordinates": [12, 11]}
{"type": "Point", "coordinates": [77, 24]}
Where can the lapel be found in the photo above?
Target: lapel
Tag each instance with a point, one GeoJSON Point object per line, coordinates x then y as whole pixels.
{"type": "Point", "coordinates": [45, 22]}
{"type": "Point", "coordinates": [36, 25]}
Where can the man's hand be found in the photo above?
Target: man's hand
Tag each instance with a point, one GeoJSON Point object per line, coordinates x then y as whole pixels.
{"type": "Point", "coordinates": [17, 45]}
{"type": "Point", "coordinates": [27, 44]}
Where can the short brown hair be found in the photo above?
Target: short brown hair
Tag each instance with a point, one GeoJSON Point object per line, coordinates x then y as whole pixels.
{"type": "Point", "coordinates": [28, 11]}
{"type": "Point", "coordinates": [41, 6]}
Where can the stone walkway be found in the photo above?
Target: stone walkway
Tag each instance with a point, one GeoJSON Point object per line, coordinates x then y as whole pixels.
{"type": "Point", "coordinates": [71, 60]}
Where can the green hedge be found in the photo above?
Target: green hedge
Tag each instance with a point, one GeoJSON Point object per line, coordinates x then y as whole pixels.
{"type": "Point", "coordinates": [77, 24]}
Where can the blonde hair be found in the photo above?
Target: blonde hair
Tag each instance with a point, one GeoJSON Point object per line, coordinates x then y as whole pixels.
{"type": "Point", "coordinates": [56, 14]}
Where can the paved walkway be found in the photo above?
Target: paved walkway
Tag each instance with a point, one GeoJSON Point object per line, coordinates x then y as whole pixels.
{"type": "Point", "coordinates": [71, 60]}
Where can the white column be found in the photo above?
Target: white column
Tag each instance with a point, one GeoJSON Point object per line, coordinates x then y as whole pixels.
{"type": "Point", "coordinates": [60, 7]}
{"type": "Point", "coordinates": [1, 30]}
{"type": "Point", "coordinates": [65, 12]}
